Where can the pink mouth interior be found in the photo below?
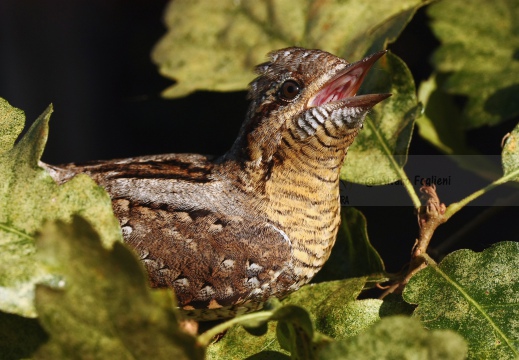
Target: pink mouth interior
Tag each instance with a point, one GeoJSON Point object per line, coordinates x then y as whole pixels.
{"type": "Point", "coordinates": [342, 87]}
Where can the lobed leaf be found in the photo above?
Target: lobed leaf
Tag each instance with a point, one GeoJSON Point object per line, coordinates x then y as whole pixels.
{"type": "Point", "coordinates": [102, 306]}
{"type": "Point", "coordinates": [238, 344]}
{"type": "Point", "coordinates": [218, 57]}
{"type": "Point", "coordinates": [213, 45]}
{"type": "Point", "coordinates": [475, 294]}
{"type": "Point", "coordinates": [331, 306]}
{"type": "Point", "coordinates": [334, 308]}
{"type": "Point", "coordinates": [398, 337]}
{"type": "Point", "coordinates": [385, 138]}
{"type": "Point", "coordinates": [29, 197]}
{"type": "Point", "coordinates": [289, 323]}
{"type": "Point", "coordinates": [479, 49]}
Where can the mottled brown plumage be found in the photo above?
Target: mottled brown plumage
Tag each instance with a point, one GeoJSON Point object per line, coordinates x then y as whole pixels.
{"type": "Point", "coordinates": [228, 233]}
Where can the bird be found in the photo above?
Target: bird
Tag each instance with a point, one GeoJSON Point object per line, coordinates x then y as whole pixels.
{"type": "Point", "coordinates": [228, 233]}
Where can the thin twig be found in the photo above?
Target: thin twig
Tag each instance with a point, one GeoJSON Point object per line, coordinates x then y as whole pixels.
{"type": "Point", "coordinates": [455, 207]}
{"type": "Point", "coordinates": [430, 216]}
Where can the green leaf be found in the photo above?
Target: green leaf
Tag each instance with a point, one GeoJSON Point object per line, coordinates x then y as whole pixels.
{"type": "Point", "coordinates": [28, 197]}
{"type": "Point", "coordinates": [480, 42]}
{"type": "Point", "coordinates": [11, 125]}
{"type": "Point", "coordinates": [398, 337]}
{"type": "Point", "coordinates": [475, 294]}
{"type": "Point", "coordinates": [352, 255]}
{"type": "Point", "coordinates": [510, 155]}
{"type": "Point", "coordinates": [332, 308]}
{"type": "Point", "coordinates": [218, 57]}
{"type": "Point", "coordinates": [394, 304]}
{"type": "Point", "coordinates": [102, 307]}
{"type": "Point", "coordinates": [238, 344]}
{"type": "Point", "coordinates": [295, 331]}
{"type": "Point", "coordinates": [384, 141]}
{"type": "Point", "coordinates": [440, 124]}
{"type": "Point", "coordinates": [205, 47]}
{"type": "Point", "coordinates": [291, 325]}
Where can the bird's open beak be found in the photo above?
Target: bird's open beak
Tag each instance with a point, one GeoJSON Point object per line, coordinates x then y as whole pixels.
{"type": "Point", "coordinates": [345, 84]}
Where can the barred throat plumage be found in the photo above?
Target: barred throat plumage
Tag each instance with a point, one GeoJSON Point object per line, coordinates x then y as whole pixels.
{"type": "Point", "coordinates": [228, 233]}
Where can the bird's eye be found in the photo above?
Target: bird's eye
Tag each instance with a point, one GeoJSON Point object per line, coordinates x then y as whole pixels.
{"type": "Point", "coordinates": [289, 90]}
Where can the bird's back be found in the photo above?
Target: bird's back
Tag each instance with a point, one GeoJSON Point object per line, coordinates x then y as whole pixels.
{"type": "Point", "coordinates": [195, 231]}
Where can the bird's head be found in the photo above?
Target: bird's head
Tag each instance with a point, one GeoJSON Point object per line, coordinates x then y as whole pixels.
{"type": "Point", "coordinates": [302, 94]}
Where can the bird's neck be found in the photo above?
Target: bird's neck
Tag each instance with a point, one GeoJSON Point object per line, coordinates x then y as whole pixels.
{"type": "Point", "coordinates": [297, 189]}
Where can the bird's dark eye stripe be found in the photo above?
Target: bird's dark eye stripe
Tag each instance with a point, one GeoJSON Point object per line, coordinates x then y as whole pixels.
{"type": "Point", "coordinates": [289, 90]}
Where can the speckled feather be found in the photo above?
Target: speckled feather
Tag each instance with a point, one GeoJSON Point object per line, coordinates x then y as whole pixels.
{"type": "Point", "coordinates": [228, 233]}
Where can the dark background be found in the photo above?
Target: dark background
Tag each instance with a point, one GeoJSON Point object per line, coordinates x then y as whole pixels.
{"type": "Point", "coordinates": [91, 59]}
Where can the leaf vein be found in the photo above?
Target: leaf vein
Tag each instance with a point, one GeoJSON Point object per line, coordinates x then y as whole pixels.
{"type": "Point", "coordinates": [12, 230]}
{"type": "Point", "coordinates": [476, 306]}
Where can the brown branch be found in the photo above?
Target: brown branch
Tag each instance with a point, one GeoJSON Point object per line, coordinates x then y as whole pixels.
{"type": "Point", "coordinates": [430, 216]}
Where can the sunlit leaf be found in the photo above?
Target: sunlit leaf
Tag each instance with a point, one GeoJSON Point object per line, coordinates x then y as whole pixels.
{"type": "Point", "coordinates": [213, 45]}
{"type": "Point", "coordinates": [238, 344]}
{"type": "Point", "coordinates": [28, 197]}
{"type": "Point", "coordinates": [480, 42]}
{"type": "Point", "coordinates": [12, 121]}
{"type": "Point", "coordinates": [380, 149]}
{"type": "Point", "coordinates": [102, 307]}
{"type": "Point", "coordinates": [218, 57]}
{"type": "Point", "coordinates": [332, 307]}
{"type": "Point", "coordinates": [288, 329]}
{"type": "Point", "coordinates": [476, 294]}
{"type": "Point", "coordinates": [398, 337]}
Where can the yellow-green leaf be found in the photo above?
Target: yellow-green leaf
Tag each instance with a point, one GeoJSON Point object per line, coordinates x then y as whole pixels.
{"type": "Point", "coordinates": [440, 122]}
{"type": "Point", "coordinates": [213, 45]}
{"type": "Point", "coordinates": [102, 306]}
{"type": "Point", "coordinates": [205, 49]}
{"type": "Point", "coordinates": [11, 125]}
{"type": "Point", "coordinates": [475, 294]}
{"type": "Point", "coordinates": [332, 307]}
{"type": "Point", "coordinates": [480, 42]}
{"type": "Point", "coordinates": [398, 337]}
{"type": "Point", "coordinates": [441, 125]}
{"type": "Point", "coordinates": [379, 152]}
{"type": "Point", "coordinates": [28, 197]}
{"type": "Point", "coordinates": [290, 324]}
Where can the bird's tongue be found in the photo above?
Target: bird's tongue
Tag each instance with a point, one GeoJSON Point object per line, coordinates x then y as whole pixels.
{"type": "Point", "coordinates": [346, 83]}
